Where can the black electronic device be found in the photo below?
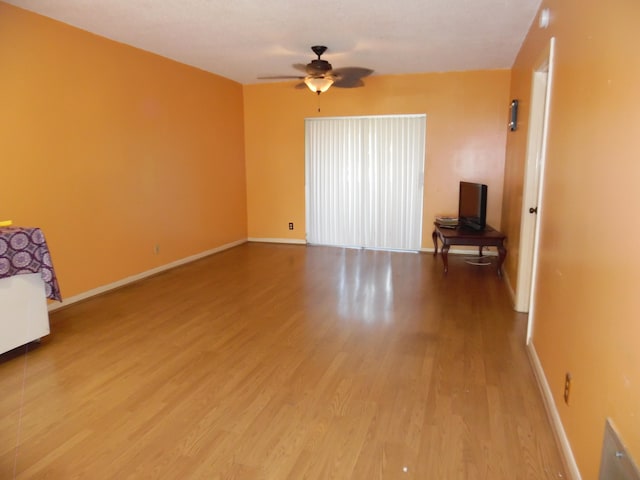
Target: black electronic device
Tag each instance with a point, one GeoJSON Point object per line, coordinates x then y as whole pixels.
{"type": "Point", "coordinates": [472, 205]}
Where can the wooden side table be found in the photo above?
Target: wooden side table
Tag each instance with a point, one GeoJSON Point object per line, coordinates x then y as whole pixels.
{"type": "Point", "coordinates": [489, 237]}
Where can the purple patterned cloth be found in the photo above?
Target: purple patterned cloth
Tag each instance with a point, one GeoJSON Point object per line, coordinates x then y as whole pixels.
{"type": "Point", "coordinates": [24, 250]}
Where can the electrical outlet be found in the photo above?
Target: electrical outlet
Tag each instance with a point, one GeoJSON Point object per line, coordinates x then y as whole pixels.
{"type": "Point", "coordinates": [290, 225]}
{"type": "Point", "coordinates": [567, 387]}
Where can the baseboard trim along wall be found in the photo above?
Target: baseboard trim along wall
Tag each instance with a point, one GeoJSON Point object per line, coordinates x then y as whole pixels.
{"type": "Point", "coordinates": [554, 415]}
{"type": "Point", "coordinates": [294, 241]}
{"type": "Point", "coordinates": [453, 251]}
{"type": "Point", "coordinates": [134, 278]}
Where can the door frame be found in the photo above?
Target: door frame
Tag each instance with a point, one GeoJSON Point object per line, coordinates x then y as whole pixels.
{"type": "Point", "coordinates": [537, 137]}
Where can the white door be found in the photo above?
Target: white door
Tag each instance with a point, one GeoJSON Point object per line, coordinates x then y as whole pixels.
{"type": "Point", "coordinates": [534, 177]}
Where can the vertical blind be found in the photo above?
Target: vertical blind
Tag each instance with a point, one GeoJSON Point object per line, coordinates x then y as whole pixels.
{"type": "Point", "coordinates": [365, 181]}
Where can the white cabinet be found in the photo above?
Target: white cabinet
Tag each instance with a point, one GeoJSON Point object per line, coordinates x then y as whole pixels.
{"type": "Point", "coordinates": [23, 310]}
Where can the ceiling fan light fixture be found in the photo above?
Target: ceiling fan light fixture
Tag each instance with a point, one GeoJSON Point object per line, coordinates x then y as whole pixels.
{"type": "Point", "coordinates": [318, 84]}
{"type": "Point", "coordinates": [320, 75]}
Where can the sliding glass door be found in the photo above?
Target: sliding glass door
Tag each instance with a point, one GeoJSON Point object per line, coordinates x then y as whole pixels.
{"type": "Point", "coordinates": [364, 180]}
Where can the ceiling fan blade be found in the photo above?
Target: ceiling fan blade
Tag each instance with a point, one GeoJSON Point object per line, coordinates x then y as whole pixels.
{"type": "Point", "coordinates": [300, 86]}
{"type": "Point", "coordinates": [352, 72]}
{"type": "Point", "coordinates": [350, 77]}
{"type": "Point", "coordinates": [348, 82]}
{"type": "Point", "coordinates": [282, 77]}
{"type": "Point", "coordinates": [300, 66]}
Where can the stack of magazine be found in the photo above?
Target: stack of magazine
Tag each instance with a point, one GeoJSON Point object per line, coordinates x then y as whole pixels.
{"type": "Point", "coordinates": [447, 222]}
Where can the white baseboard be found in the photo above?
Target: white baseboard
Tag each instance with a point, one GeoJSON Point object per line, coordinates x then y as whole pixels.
{"type": "Point", "coordinates": [453, 251]}
{"type": "Point", "coordinates": [134, 278]}
{"type": "Point", "coordinates": [553, 414]}
{"type": "Point", "coordinates": [294, 241]}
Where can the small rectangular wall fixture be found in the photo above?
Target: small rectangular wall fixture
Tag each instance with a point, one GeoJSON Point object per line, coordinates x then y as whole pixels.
{"type": "Point", "coordinates": [513, 117]}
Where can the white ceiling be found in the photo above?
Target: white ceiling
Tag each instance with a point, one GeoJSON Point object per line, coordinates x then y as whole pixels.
{"type": "Point", "coordinates": [244, 39]}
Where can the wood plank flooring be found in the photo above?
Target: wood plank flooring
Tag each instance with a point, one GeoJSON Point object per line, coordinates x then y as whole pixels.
{"type": "Point", "coordinates": [282, 362]}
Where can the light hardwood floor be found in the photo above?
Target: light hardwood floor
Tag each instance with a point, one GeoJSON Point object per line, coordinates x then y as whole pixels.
{"type": "Point", "coordinates": [282, 362]}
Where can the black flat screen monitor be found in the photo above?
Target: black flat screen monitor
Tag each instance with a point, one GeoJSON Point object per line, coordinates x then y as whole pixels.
{"type": "Point", "coordinates": [472, 206]}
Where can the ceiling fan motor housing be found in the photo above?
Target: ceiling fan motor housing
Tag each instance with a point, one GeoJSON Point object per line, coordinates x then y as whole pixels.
{"type": "Point", "coordinates": [318, 67]}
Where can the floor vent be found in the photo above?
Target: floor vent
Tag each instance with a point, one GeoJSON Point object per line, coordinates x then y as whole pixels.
{"type": "Point", "coordinates": [616, 464]}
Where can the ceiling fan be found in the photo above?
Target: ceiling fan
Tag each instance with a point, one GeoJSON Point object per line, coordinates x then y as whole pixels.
{"type": "Point", "coordinates": [320, 75]}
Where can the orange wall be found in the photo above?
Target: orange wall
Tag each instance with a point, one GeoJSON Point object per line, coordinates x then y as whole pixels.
{"type": "Point", "coordinates": [467, 114]}
{"type": "Point", "coordinates": [112, 150]}
{"type": "Point", "coordinates": [514, 171]}
{"type": "Point", "coordinates": [587, 307]}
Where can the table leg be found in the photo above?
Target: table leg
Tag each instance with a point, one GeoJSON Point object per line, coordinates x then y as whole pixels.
{"type": "Point", "coordinates": [445, 257]}
{"type": "Point", "coordinates": [502, 253]}
{"type": "Point", "coordinates": [434, 236]}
